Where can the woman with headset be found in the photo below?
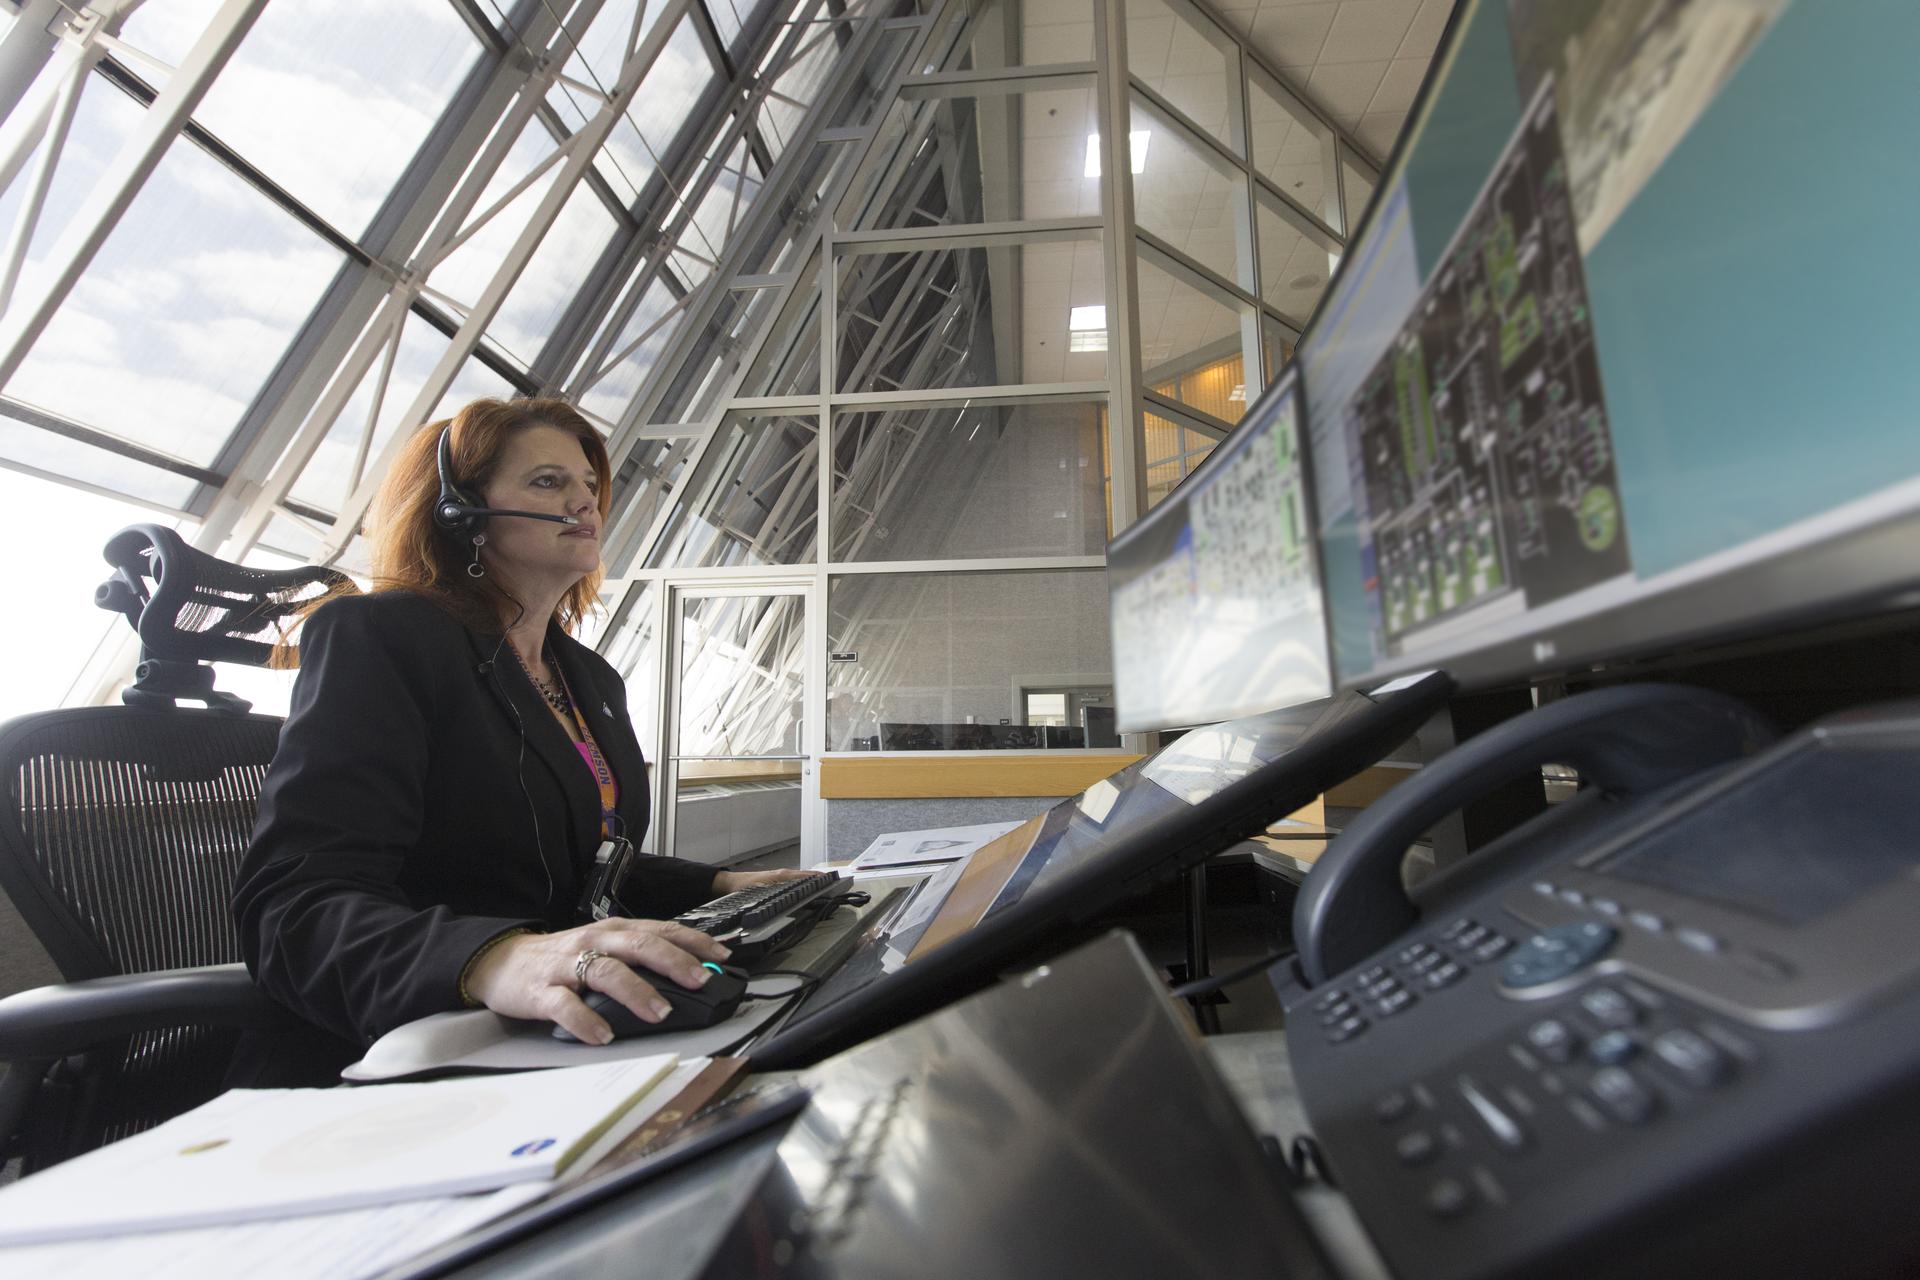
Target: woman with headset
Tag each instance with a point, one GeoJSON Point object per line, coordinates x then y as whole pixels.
{"type": "Point", "coordinates": [452, 763]}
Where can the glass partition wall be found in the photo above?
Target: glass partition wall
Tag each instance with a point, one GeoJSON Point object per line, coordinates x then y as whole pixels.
{"type": "Point", "coordinates": [985, 298]}
{"type": "Point", "coordinates": [892, 312]}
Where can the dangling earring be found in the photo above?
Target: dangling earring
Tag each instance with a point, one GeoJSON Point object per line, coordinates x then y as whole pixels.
{"type": "Point", "coordinates": [476, 569]}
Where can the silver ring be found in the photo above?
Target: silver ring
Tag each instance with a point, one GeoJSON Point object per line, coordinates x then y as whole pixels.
{"type": "Point", "coordinates": [583, 962]}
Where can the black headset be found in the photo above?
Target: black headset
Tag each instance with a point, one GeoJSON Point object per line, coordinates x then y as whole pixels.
{"type": "Point", "coordinates": [454, 509]}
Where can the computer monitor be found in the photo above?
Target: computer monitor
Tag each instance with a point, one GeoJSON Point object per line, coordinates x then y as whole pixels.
{"type": "Point", "coordinates": [1620, 363]}
{"type": "Point", "coordinates": [1020, 898]}
{"type": "Point", "coordinates": [1215, 594]}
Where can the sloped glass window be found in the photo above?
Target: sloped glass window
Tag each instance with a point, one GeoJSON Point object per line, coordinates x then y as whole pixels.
{"type": "Point", "coordinates": [181, 316]}
{"type": "Point", "coordinates": [987, 157]}
{"type": "Point", "coordinates": [982, 35]}
{"type": "Point", "coordinates": [332, 100]}
{"type": "Point", "coordinates": [753, 499]}
{"type": "Point", "coordinates": [946, 317]}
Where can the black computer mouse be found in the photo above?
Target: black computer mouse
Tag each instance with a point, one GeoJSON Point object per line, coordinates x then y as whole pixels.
{"type": "Point", "coordinates": [693, 1008]}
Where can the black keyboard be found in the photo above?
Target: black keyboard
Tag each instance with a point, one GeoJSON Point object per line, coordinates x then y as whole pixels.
{"type": "Point", "coordinates": [753, 907]}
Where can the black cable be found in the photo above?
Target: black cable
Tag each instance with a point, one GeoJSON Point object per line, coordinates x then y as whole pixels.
{"type": "Point", "coordinates": [1207, 986]}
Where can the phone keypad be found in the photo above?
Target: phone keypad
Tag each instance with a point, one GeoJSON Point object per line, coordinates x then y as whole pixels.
{"type": "Point", "coordinates": [1417, 969]}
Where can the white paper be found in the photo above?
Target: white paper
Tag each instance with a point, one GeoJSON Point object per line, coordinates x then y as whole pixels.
{"type": "Point", "coordinates": [271, 1153]}
{"type": "Point", "coordinates": [936, 844]}
{"type": "Point", "coordinates": [344, 1245]}
{"type": "Point", "coordinates": [481, 1040]}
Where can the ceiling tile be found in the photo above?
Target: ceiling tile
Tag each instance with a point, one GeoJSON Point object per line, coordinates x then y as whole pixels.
{"type": "Point", "coordinates": [1239, 20]}
{"type": "Point", "coordinates": [1423, 37]}
{"type": "Point", "coordinates": [1346, 88]}
{"type": "Point", "coordinates": [1291, 36]}
{"type": "Point", "coordinates": [1379, 129]}
{"type": "Point", "coordinates": [1400, 85]}
{"type": "Point", "coordinates": [1367, 30]}
{"type": "Point", "coordinates": [1056, 42]}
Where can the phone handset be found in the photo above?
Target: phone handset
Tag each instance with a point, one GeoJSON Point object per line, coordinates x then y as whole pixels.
{"type": "Point", "coordinates": [1628, 739]}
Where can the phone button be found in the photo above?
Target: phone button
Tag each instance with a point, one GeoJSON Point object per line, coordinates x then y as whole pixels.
{"type": "Point", "coordinates": [1621, 1096]}
{"type": "Point", "coordinates": [1449, 1198]}
{"type": "Point", "coordinates": [1552, 955]}
{"type": "Point", "coordinates": [1416, 1148]}
{"type": "Point", "coordinates": [1552, 1040]}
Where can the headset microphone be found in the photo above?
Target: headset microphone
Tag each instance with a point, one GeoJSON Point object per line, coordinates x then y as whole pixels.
{"type": "Point", "coordinates": [455, 510]}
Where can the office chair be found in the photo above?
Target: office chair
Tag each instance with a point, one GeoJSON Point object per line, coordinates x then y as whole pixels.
{"type": "Point", "coordinates": [120, 834]}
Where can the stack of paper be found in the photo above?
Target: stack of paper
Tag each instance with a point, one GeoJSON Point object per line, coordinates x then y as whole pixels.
{"type": "Point", "coordinates": [273, 1153]}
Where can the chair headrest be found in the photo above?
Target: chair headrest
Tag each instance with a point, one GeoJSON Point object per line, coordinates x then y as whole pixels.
{"type": "Point", "coordinates": [198, 608]}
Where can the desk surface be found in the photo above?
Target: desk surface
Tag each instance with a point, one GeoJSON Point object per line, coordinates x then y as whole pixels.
{"type": "Point", "coordinates": [974, 1062]}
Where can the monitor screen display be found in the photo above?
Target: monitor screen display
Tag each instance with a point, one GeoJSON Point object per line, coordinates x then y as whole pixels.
{"type": "Point", "coordinates": [1618, 362]}
{"type": "Point", "coordinates": [1216, 594]}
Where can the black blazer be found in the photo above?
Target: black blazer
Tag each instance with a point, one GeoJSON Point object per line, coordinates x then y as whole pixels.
{"type": "Point", "coordinates": [423, 800]}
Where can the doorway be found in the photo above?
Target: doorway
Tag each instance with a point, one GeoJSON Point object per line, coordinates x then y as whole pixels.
{"type": "Point", "coordinates": [738, 780]}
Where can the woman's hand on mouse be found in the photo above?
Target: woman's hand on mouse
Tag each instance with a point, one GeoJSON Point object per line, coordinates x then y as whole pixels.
{"type": "Point", "coordinates": [532, 975]}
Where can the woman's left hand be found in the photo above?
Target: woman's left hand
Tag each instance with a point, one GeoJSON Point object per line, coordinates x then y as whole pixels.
{"type": "Point", "coordinates": [735, 881]}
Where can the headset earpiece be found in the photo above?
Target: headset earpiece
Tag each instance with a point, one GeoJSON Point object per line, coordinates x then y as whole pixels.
{"type": "Point", "coordinates": [453, 509]}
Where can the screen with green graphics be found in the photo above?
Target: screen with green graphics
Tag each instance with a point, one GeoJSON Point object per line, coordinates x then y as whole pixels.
{"type": "Point", "coordinates": [1621, 359]}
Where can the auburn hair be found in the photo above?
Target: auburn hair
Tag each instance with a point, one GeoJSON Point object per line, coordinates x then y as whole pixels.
{"type": "Point", "coordinates": [411, 551]}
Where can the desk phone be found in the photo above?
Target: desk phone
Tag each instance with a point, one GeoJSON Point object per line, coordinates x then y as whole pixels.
{"type": "Point", "coordinates": [1670, 1027]}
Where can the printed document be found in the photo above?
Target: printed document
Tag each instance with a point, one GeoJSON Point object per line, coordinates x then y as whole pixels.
{"type": "Point", "coordinates": [275, 1153]}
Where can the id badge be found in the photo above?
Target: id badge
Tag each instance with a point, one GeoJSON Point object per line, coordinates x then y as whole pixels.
{"type": "Point", "coordinates": [610, 862]}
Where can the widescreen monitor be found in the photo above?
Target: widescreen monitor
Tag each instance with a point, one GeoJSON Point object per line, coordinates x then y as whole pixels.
{"type": "Point", "coordinates": [1215, 594]}
{"type": "Point", "coordinates": [1621, 361]}
{"type": "Point", "coordinates": [1020, 898]}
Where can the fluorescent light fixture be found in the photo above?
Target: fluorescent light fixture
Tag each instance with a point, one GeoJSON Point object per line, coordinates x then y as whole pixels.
{"type": "Point", "coordinates": [1238, 394]}
{"type": "Point", "coordinates": [1087, 318]}
{"type": "Point", "coordinates": [1087, 340]}
{"type": "Point", "coordinates": [1136, 145]}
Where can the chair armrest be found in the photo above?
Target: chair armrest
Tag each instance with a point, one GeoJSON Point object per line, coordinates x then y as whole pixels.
{"type": "Point", "coordinates": [51, 1022]}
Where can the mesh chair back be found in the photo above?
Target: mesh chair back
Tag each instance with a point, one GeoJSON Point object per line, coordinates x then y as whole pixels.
{"type": "Point", "coordinates": [122, 832]}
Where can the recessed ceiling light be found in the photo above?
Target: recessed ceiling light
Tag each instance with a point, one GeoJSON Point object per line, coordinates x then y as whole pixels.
{"type": "Point", "coordinates": [1087, 340]}
{"type": "Point", "coordinates": [1087, 318]}
{"type": "Point", "coordinates": [1137, 149]}
{"type": "Point", "coordinates": [1306, 281]}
